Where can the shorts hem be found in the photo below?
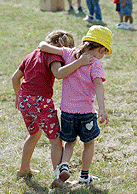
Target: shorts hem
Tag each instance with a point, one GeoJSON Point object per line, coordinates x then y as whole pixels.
{"type": "Point", "coordinates": [70, 140]}
{"type": "Point", "coordinates": [33, 132]}
{"type": "Point", "coordinates": [53, 137]}
{"type": "Point", "coordinates": [89, 139]}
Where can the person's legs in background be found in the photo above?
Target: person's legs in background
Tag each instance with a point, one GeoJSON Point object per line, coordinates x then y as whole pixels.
{"type": "Point", "coordinates": [71, 8]}
{"type": "Point", "coordinates": [80, 8]}
{"type": "Point", "coordinates": [119, 12]}
{"type": "Point", "coordinates": [90, 6]}
{"type": "Point", "coordinates": [97, 10]}
{"type": "Point", "coordinates": [127, 12]}
{"type": "Point", "coordinates": [120, 17]}
{"type": "Point", "coordinates": [130, 19]}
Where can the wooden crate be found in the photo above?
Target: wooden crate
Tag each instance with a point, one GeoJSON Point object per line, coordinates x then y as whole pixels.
{"type": "Point", "coordinates": [51, 5]}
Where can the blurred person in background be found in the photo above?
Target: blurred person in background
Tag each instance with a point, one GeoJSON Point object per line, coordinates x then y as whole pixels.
{"type": "Point", "coordinates": [94, 9]}
{"type": "Point", "coordinates": [126, 10]}
{"type": "Point", "coordinates": [71, 8]}
{"type": "Point", "coordinates": [117, 2]}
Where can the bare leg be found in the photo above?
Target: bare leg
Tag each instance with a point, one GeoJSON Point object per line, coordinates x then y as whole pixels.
{"type": "Point", "coordinates": [87, 155]}
{"type": "Point", "coordinates": [28, 149]}
{"type": "Point", "coordinates": [131, 19]}
{"type": "Point", "coordinates": [56, 151]}
{"type": "Point", "coordinates": [70, 3]}
{"type": "Point", "coordinates": [126, 18]}
{"type": "Point", "coordinates": [68, 151]}
{"type": "Point", "coordinates": [120, 16]}
{"type": "Point", "coordinates": [79, 3]}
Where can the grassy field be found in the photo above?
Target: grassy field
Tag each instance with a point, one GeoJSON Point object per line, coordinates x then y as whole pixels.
{"type": "Point", "coordinates": [23, 26]}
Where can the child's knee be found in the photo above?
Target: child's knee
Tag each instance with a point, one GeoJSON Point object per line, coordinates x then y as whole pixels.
{"type": "Point", "coordinates": [36, 136]}
{"type": "Point", "coordinates": [56, 142]}
{"type": "Point", "coordinates": [90, 143]}
{"type": "Point", "coordinates": [72, 144]}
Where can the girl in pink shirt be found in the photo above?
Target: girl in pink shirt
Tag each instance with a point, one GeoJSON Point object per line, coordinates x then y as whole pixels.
{"type": "Point", "coordinates": [78, 114]}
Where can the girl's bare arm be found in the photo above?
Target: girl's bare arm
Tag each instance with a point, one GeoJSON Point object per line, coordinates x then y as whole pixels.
{"type": "Point", "coordinates": [45, 47]}
{"type": "Point", "coordinates": [16, 84]}
{"type": "Point", "coordinates": [99, 88]}
{"type": "Point", "coordinates": [62, 72]}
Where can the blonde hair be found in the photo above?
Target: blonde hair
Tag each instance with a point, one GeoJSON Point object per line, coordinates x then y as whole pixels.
{"type": "Point", "coordinates": [60, 38]}
{"type": "Point", "coordinates": [87, 45]}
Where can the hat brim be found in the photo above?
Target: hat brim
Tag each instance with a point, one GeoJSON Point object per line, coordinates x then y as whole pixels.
{"type": "Point", "coordinates": [94, 39]}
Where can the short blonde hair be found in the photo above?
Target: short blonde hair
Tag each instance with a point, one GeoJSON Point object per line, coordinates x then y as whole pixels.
{"type": "Point", "coordinates": [61, 38]}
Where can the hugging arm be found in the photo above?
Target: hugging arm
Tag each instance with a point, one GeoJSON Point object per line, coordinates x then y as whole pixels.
{"type": "Point", "coordinates": [45, 47]}
{"type": "Point", "coordinates": [62, 72]}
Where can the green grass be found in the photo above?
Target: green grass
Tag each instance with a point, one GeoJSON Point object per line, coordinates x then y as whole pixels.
{"type": "Point", "coordinates": [23, 26]}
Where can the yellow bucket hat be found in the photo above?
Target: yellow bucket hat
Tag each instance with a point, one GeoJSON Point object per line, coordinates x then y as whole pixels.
{"type": "Point", "coordinates": [101, 35]}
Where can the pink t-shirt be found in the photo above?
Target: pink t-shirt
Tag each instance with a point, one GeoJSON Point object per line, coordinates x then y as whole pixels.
{"type": "Point", "coordinates": [78, 89]}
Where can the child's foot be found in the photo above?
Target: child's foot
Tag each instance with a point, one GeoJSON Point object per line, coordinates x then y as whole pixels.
{"type": "Point", "coordinates": [57, 183]}
{"type": "Point", "coordinates": [21, 174]}
{"type": "Point", "coordinates": [87, 180]}
{"type": "Point", "coordinates": [131, 26]}
{"type": "Point", "coordinates": [81, 11]}
{"type": "Point", "coordinates": [71, 10]}
{"type": "Point", "coordinates": [61, 175]}
{"type": "Point", "coordinates": [123, 25]}
{"type": "Point", "coordinates": [96, 20]}
{"type": "Point", "coordinates": [88, 18]}
{"type": "Point", "coordinates": [64, 172]}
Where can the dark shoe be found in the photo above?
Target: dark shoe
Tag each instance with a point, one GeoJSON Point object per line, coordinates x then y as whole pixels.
{"type": "Point", "coordinates": [71, 10]}
{"type": "Point", "coordinates": [80, 9]}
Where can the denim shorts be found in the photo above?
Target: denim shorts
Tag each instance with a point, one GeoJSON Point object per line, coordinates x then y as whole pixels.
{"type": "Point", "coordinates": [83, 125]}
{"type": "Point", "coordinates": [117, 6]}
